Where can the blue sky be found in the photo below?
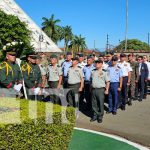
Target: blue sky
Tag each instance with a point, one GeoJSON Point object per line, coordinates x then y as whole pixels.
{"type": "Point", "coordinates": [94, 19]}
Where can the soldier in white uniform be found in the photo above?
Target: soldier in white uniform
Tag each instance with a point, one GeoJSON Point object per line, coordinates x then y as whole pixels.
{"type": "Point", "coordinates": [100, 87]}
{"type": "Point", "coordinates": [126, 70]}
{"type": "Point", "coordinates": [75, 81]}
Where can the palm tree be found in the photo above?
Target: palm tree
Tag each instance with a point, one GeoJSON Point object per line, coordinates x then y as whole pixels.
{"type": "Point", "coordinates": [49, 26]}
{"type": "Point", "coordinates": [79, 43]}
{"type": "Point", "coordinates": [67, 35]}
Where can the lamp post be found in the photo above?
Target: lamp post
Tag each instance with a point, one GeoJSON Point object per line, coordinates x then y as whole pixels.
{"type": "Point", "coordinates": [126, 30]}
{"type": "Point", "coordinates": [40, 40]}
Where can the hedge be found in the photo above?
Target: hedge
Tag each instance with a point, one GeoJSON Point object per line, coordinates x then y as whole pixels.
{"type": "Point", "coordinates": [35, 136]}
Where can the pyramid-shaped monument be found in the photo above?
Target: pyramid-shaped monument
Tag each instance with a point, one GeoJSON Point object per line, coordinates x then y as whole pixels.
{"type": "Point", "coordinates": [40, 41]}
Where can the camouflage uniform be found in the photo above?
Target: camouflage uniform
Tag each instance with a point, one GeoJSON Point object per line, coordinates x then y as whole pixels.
{"type": "Point", "coordinates": [132, 86]}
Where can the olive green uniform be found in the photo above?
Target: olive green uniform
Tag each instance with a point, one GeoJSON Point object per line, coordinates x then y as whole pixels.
{"type": "Point", "coordinates": [32, 77]}
{"type": "Point", "coordinates": [10, 75]}
{"type": "Point", "coordinates": [75, 75]}
{"type": "Point", "coordinates": [99, 79]}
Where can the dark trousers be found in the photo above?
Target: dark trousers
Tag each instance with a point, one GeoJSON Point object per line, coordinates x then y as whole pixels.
{"type": "Point", "coordinates": [113, 97]}
{"type": "Point", "coordinates": [87, 89]}
{"type": "Point", "coordinates": [124, 92]}
{"type": "Point", "coordinates": [141, 86]}
{"type": "Point", "coordinates": [65, 82]}
{"type": "Point", "coordinates": [98, 102]}
{"type": "Point", "coordinates": [53, 97]}
{"type": "Point", "coordinates": [145, 88]}
{"type": "Point", "coordinates": [71, 95]}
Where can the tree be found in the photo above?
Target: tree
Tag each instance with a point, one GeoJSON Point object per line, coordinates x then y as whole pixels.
{"type": "Point", "coordinates": [133, 44]}
{"type": "Point", "coordinates": [67, 35]}
{"type": "Point", "coordinates": [50, 27]}
{"type": "Point", "coordinates": [78, 43]}
{"type": "Point", "coordinates": [12, 30]}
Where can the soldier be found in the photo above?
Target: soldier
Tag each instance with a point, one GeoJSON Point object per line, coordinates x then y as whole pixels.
{"type": "Point", "coordinates": [145, 60]}
{"type": "Point", "coordinates": [126, 70]}
{"type": "Point", "coordinates": [10, 74]}
{"type": "Point", "coordinates": [100, 85]}
{"type": "Point", "coordinates": [75, 81]}
{"type": "Point", "coordinates": [87, 70]}
{"type": "Point", "coordinates": [132, 94]}
{"type": "Point", "coordinates": [55, 77]}
{"type": "Point", "coordinates": [32, 77]}
{"type": "Point", "coordinates": [105, 65]}
{"type": "Point", "coordinates": [81, 60]}
{"type": "Point", "coordinates": [115, 74]}
{"type": "Point", "coordinates": [61, 59]}
{"type": "Point", "coordinates": [142, 76]}
{"type": "Point", "coordinates": [44, 60]}
{"type": "Point", "coordinates": [65, 67]}
{"type": "Point", "coordinates": [43, 71]}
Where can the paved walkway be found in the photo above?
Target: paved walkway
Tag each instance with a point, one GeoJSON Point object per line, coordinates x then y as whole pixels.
{"type": "Point", "coordinates": [132, 124]}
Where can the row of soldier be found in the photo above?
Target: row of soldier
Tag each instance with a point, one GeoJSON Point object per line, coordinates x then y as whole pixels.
{"type": "Point", "coordinates": [117, 79]}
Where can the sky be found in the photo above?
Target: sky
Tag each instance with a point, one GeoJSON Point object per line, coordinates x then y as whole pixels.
{"type": "Point", "coordinates": [94, 19]}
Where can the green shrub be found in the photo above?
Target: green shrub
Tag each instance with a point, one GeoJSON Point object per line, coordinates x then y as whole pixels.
{"type": "Point", "coordinates": [36, 136]}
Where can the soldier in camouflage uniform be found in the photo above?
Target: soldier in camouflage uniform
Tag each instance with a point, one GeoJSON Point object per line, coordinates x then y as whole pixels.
{"type": "Point", "coordinates": [132, 95]}
{"type": "Point", "coordinates": [10, 74]}
{"type": "Point", "coordinates": [32, 77]}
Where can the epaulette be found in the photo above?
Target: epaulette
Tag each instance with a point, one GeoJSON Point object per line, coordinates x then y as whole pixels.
{"type": "Point", "coordinates": [118, 67]}
{"type": "Point", "coordinates": [58, 66]}
{"type": "Point", "coordinates": [94, 69]}
{"type": "Point", "coordinates": [2, 65]}
{"type": "Point", "coordinates": [42, 66]}
{"type": "Point", "coordinates": [104, 70]}
{"type": "Point", "coordinates": [79, 67]}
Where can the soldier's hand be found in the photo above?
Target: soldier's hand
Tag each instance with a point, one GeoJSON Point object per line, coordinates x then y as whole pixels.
{"type": "Point", "coordinates": [80, 89]}
{"type": "Point", "coordinates": [106, 92]}
{"type": "Point", "coordinates": [59, 86]}
{"type": "Point", "coordinates": [119, 89]}
{"type": "Point", "coordinates": [128, 83]}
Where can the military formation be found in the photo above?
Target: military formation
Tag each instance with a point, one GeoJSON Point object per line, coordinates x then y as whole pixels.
{"type": "Point", "coordinates": [92, 80]}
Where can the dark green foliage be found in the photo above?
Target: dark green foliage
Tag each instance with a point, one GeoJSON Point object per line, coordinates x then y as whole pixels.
{"type": "Point", "coordinates": [39, 136]}
{"type": "Point", "coordinates": [13, 30]}
{"type": "Point", "coordinates": [133, 44]}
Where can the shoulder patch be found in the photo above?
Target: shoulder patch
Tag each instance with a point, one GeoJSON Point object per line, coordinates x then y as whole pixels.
{"type": "Point", "coordinates": [104, 70]}
{"type": "Point", "coordinates": [79, 67]}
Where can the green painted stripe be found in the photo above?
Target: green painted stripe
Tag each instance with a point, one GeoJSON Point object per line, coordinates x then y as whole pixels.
{"type": "Point", "coordinates": [83, 140]}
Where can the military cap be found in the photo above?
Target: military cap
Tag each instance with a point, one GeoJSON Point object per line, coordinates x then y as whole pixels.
{"type": "Point", "coordinates": [68, 53]}
{"type": "Point", "coordinates": [38, 57]}
{"type": "Point", "coordinates": [99, 61]}
{"type": "Point", "coordinates": [89, 56]}
{"type": "Point", "coordinates": [122, 55]}
{"type": "Point", "coordinates": [32, 55]}
{"type": "Point", "coordinates": [114, 58]}
{"type": "Point", "coordinates": [80, 55]}
{"type": "Point", "coordinates": [53, 56]}
{"type": "Point", "coordinates": [11, 51]}
{"type": "Point", "coordinates": [108, 55]}
{"type": "Point", "coordinates": [101, 55]}
{"type": "Point", "coordinates": [75, 58]}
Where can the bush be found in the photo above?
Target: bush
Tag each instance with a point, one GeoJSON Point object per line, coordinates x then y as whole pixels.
{"type": "Point", "coordinates": [39, 135]}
